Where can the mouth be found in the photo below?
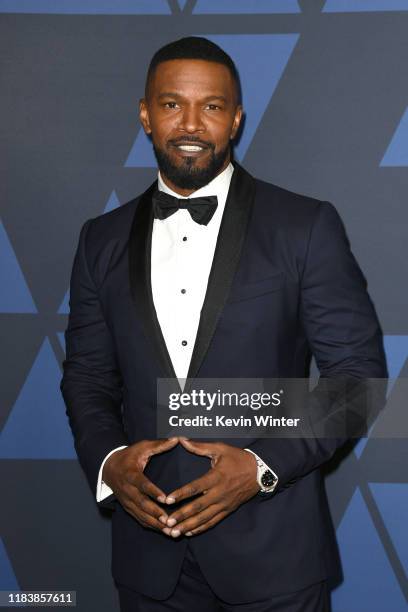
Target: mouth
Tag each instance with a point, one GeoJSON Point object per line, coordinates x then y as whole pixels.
{"type": "Point", "coordinates": [190, 149]}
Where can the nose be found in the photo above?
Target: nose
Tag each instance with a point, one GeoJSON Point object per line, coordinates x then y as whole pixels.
{"type": "Point", "coordinates": [191, 120]}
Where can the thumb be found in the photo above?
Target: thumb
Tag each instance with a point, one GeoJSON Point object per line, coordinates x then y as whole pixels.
{"type": "Point", "coordinates": [204, 449]}
{"type": "Point", "coordinates": [159, 446]}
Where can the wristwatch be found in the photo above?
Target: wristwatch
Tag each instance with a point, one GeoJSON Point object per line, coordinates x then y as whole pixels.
{"type": "Point", "coordinates": [267, 479]}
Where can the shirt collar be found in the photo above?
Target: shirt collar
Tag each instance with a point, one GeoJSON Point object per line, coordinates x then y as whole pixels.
{"type": "Point", "coordinates": [218, 186]}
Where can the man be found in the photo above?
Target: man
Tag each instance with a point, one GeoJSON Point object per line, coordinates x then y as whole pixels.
{"type": "Point", "coordinates": [246, 284]}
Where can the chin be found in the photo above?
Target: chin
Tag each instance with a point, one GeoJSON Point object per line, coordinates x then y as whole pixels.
{"type": "Point", "coordinates": [190, 172]}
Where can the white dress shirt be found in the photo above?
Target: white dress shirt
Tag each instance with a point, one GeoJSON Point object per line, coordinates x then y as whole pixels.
{"type": "Point", "coordinates": [181, 258]}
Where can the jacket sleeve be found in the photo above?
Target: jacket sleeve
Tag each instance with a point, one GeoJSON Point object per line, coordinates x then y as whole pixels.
{"type": "Point", "coordinates": [91, 384]}
{"type": "Point", "coordinates": [345, 338]}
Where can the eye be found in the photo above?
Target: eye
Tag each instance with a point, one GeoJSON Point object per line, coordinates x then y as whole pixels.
{"type": "Point", "coordinates": [170, 104]}
{"type": "Point", "coordinates": [213, 107]}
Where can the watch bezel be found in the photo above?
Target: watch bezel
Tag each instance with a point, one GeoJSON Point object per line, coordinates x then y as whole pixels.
{"type": "Point", "coordinates": [268, 473]}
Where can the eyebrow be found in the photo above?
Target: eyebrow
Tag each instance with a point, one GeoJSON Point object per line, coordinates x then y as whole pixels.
{"type": "Point", "coordinates": [172, 94]}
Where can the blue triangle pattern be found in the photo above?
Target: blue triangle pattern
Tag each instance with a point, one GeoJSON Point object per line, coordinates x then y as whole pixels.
{"type": "Point", "coordinates": [141, 154]}
{"type": "Point", "coordinates": [64, 308]}
{"type": "Point", "coordinates": [392, 501]}
{"type": "Point", "coordinates": [246, 6]}
{"type": "Point", "coordinates": [361, 444]}
{"type": "Point", "coordinates": [182, 4]}
{"type": "Point", "coordinates": [397, 151]}
{"type": "Point", "coordinates": [61, 339]}
{"type": "Point", "coordinates": [87, 7]}
{"type": "Point", "coordinates": [15, 296]}
{"type": "Point", "coordinates": [359, 6]}
{"type": "Point", "coordinates": [272, 52]}
{"type": "Point", "coordinates": [366, 568]}
{"type": "Point", "coordinates": [112, 203]}
{"type": "Point", "coordinates": [8, 580]}
{"type": "Point", "coordinates": [260, 77]}
{"type": "Point", "coordinates": [37, 427]}
{"type": "Point", "coordinates": [396, 352]}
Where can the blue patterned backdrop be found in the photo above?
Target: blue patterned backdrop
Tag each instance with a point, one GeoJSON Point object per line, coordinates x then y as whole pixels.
{"type": "Point", "coordinates": [325, 88]}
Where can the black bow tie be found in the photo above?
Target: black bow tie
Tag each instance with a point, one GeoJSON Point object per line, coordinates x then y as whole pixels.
{"type": "Point", "coordinates": [200, 209]}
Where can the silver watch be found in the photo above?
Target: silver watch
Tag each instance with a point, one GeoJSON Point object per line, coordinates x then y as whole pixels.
{"type": "Point", "coordinates": [267, 479]}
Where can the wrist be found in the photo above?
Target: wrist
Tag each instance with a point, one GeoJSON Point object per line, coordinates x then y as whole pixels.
{"type": "Point", "coordinates": [253, 471]}
{"type": "Point", "coordinates": [108, 470]}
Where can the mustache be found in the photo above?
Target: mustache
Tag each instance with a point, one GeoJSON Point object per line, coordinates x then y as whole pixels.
{"type": "Point", "coordinates": [191, 140]}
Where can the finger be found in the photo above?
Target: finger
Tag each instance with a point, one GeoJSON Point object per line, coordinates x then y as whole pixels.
{"type": "Point", "coordinates": [206, 449]}
{"type": "Point", "coordinates": [146, 505]}
{"type": "Point", "coordinates": [202, 503]}
{"type": "Point", "coordinates": [145, 486]}
{"type": "Point", "coordinates": [199, 485]}
{"type": "Point", "coordinates": [205, 526]}
{"type": "Point", "coordinates": [130, 495]}
{"type": "Point", "coordinates": [133, 496]}
{"type": "Point", "coordinates": [197, 520]}
{"type": "Point", "coordinates": [153, 510]}
{"type": "Point", "coordinates": [143, 517]}
{"type": "Point", "coordinates": [160, 446]}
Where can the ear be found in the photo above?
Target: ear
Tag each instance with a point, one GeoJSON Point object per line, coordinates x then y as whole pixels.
{"type": "Point", "coordinates": [144, 116]}
{"type": "Point", "coordinates": [236, 122]}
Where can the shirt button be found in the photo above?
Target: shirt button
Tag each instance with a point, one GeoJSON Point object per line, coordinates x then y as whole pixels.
{"type": "Point", "coordinates": [184, 342]}
{"type": "Point", "coordinates": [183, 291]}
{"type": "Point", "coordinates": [184, 238]}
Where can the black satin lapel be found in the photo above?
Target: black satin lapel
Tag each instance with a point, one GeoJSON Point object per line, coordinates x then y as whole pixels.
{"type": "Point", "coordinates": [140, 241]}
{"type": "Point", "coordinates": [226, 257]}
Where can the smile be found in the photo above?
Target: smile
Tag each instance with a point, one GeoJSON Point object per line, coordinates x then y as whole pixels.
{"type": "Point", "coordinates": [192, 148]}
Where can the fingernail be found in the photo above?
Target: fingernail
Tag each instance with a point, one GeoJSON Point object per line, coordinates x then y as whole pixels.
{"type": "Point", "coordinates": [163, 519]}
{"type": "Point", "coordinates": [171, 522]}
{"type": "Point", "coordinates": [170, 500]}
{"type": "Point", "coordinates": [162, 499]}
{"type": "Point", "coordinates": [188, 533]}
{"type": "Point", "coordinates": [167, 531]}
{"type": "Point", "coordinates": [175, 533]}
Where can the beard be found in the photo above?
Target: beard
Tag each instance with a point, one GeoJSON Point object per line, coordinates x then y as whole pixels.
{"type": "Point", "coordinates": [187, 175]}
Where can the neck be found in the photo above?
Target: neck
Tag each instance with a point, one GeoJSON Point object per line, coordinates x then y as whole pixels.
{"type": "Point", "coordinates": [187, 192]}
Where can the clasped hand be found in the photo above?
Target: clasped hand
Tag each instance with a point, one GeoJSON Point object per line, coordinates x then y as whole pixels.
{"type": "Point", "coordinates": [229, 482]}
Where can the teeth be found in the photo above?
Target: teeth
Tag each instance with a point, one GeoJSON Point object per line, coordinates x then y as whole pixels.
{"type": "Point", "coordinates": [190, 148]}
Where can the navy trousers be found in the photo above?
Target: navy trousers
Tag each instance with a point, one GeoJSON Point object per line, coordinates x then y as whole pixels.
{"type": "Point", "coordinates": [192, 592]}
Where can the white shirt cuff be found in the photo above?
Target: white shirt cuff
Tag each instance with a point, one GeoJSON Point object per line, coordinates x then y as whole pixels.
{"type": "Point", "coordinates": [102, 489]}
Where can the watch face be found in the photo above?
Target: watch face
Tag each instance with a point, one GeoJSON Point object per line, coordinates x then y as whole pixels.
{"type": "Point", "coordinates": [268, 479]}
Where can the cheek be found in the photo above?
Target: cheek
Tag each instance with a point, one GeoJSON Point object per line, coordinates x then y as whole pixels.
{"type": "Point", "coordinates": [221, 133]}
{"type": "Point", "coordinates": [162, 127]}
{"type": "Point", "coordinates": [222, 142]}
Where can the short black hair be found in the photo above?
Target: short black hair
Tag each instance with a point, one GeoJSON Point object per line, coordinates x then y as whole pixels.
{"type": "Point", "coordinates": [194, 47]}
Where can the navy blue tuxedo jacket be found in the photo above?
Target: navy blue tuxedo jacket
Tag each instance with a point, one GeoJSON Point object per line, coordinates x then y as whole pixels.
{"type": "Point", "coordinates": [283, 285]}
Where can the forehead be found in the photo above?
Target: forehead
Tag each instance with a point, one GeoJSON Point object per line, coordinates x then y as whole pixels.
{"type": "Point", "coordinates": [187, 76]}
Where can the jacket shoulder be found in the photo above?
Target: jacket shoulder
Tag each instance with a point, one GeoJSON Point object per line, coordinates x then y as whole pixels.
{"type": "Point", "coordinates": [104, 239]}
{"type": "Point", "coordinates": [287, 205]}
{"type": "Point", "coordinates": [114, 224]}
{"type": "Point", "coordinates": [294, 214]}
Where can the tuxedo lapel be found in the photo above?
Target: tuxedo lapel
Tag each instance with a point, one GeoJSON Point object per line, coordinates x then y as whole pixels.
{"type": "Point", "coordinates": [226, 257]}
{"type": "Point", "coordinates": [140, 242]}
{"type": "Point", "coordinates": [225, 262]}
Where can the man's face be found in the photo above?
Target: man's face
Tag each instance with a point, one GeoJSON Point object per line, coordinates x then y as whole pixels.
{"type": "Point", "coordinates": [192, 113]}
